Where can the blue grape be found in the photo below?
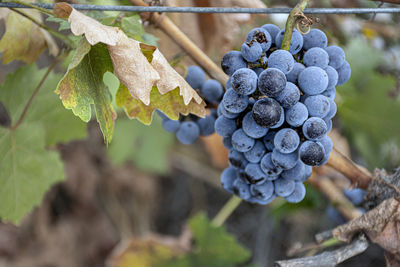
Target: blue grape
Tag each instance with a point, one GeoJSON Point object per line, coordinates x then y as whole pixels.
{"type": "Point", "coordinates": [257, 71]}
{"type": "Point", "coordinates": [251, 52]}
{"type": "Point", "coordinates": [356, 195]}
{"type": "Point", "coordinates": [228, 84]}
{"type": "Point", "coordinates": [254, 174]}
{"type": "Point", "coordinates": [315, 38]}
{"type": "Point", "coordinates": [307, 172]}
{"type": "Point", "coordinates": [333, 76]}
{"type": "Point", "coordinates": [281, 120]}
{"type": "Point", "coordinates": [269, 168]}
{"type": "Point", "coordinates": [214, 112]}
{"type": "Point", "coordinates": [241, 142]}
{"type": "Point", "coordinates": [237, 159]}
{"type": "Point", "coordinates": [262, 191]}
{"type": "Point", "coordinates": [296, 43]}
{"type": "Point", "coordinates": [206, 125]}
{"type": "Point", "coordinates": [297, 115]}
{"type": "Point", "coordinates": [281, 60]}
{"type": "Point", "coordinates": [224, 126]}
{"type": "Point", "coordinates": [272, 29]}
{"type": "Point", "coordinates": [283, 187]}
{"type": "Point", "coordinates": [328, 124]}
{"type": "Point", "coordinates": [227, 141]}
{"type": "Point", "coordinates": [336, 56]}
{"type": "Point", "coordinates": [195, 77]}
{"type": "Point", "coordinates": [294, 73]}
{"type": "Point", "coordinates": [225, 113]}
{"type": "Point", "coordinates": [344, 73]}
{"type": "Point", "coordinates": [289, 96]}
{"type": "Point", "coordinates": [241, 189]}
{"type": "Point", "coordinates": [232, 61]}
{"type": "Point", "coordinates": [261, 36]}
{"type": "Point", "coordinates": [296, 173]}
{"type": "Point", "coordinates": [162, 115]}
{"type": "Point", "coordinates": [316, 56]}
{"type": "Point", "coordinates": [267, 112]}
{"type": "Point", "coordinates": [311, 153]}
{"type": "Point", "coordinates": [171, 125]}
{"type": "Point", "coordinates": [244, 81]}
{"type": "Point", "coordinates": [313, 80]}
{"type": "Point", "coordinates": [269, 140]}
{"type": "Point", "coordinates": [298, 194]}
{"type": "Point", "coordinates": [271, 82]}
{"type": "Point", "coordinates": [251, 128]}
{"type": "Point", "coordinates": [286, 140]}
{"type": "Point", "coordinates": [188, 132]}
{"type": "Point", "coordinates": [228, 176]}
{"type": "Point", "coordinates": [314, 128]}
{"type": "Point", "coordinates": [330, 93]}
{"type": "Point", "coordinates": [326, 143]}
{"type": "Point", "coordinates": [255, 154]}
{"type": "Point", "coordinates": [212, 91]}
{"type": "Point", "coordinates": [233, 102]}
{"type": "Point", "coordinates": [332, 109]}
{"type": "Point", "coordinates": [317, 105]}
{"type": "Point", "coordinates": [266, 201]}
{"type": "Point", "coordinates": [284, 161]}
{"type": "Point", "coordinates": [335, 216]}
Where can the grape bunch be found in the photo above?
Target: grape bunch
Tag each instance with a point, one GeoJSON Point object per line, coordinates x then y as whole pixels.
{"type": "Point", "coordinates": [189, 128]}
{"type": "Point", "coordinates": [276, 112]}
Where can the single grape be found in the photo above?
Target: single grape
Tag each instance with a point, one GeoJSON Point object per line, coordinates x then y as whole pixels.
{"type": "Point", "coordinates": [356, 195]}
{"type": "Point", "coordinates": [283, 187]}
{"type": "Point", "coordinates": [332, 109]}
{"type": "Point", "coordinates": [241, 142]}
{"type": "Point", "coordinates": [232, 61]}
{"type": "Point", "coordinates": [311, 153]}
{"type": "Point", "coordinates": [335, 216]}
{"type": "Point", "coordinates": [255, 154]}
{"type": "Point", "coordinates": [336, 56]}
{"type": "Point", "coordinates": [244, 81]}
{"type": "Point", "coordinates": [233, 102]}
{"type": "Point", "coordinates": [262, 191]}
{"type": "Point", "coordinates": [224, 126]}
{"type": "Point", "coordinates": [296, 43]}
{"type": "Point", "coordinates": [281, 120]}
{"type": "Point", "coordinates": [333, 76]}
{"type": "Point", "coordinates": [254, 174]}
{"type": "Point", "coordinates": [296, 173]}
{"type": "Point", "coordinates": [294, 73]}
{"type": "Point", "coordinates": [206, 125]}
{"type": "Point", "coordinates": [297, 115]}
{"type": "Point", "coordinates": [251, 52]}
{"type": "Point", "coordinates": [214, 112]}
{"type": "Point", "coordinates": [266, 201]}
{"type": "Point", "coordinates": [228, 84]}
{"type": "Point", "coordinates": [237, 159]}
{"type": "Point", "coordinates": [284, 161]}
{"type": "Point", "coordinates": [251, 128]}
{"type": "Point", "coordinates": [257, 70]}
{"type": "Point", "coordinates": [228, 176]}
{"type": "Point", "coordinates": [298, 194]}
{"type": "Point", "coordinates": [269, 168]}
{"type": "Point", "coordinates": [314, 128]}
{"type": "Point", "coordinates": [261, 36]}
{"type": "Point", "coordinates": [271, 82]}
{"type": "Point", "coordinates": [241, 189]}
{"type": "Point", "coordinates": [272, 29]}
{"type": "Point", "coordinates": [289, 96]}
{"type": "Point", "coordinates": [212, 91]}
{"type": "Point", "coordinates": [330, 93]}
{"type": "Point", "coordinates": [171, 125]}
{"type": "Point", "coordinates": [223, 112]}
{"type": "Point", "coordinates": [326, 143]}
{"type": "Point", "coordinates": [195, 77]}
{"type": "Point", "coordinates": [313, 80]}
{"type": "Point", "coordinates": [281, 60]}
{"type": "Point", "coordinates": [188, 132]}
{"type": "Point", "coordinates": [344, 73]}
{"type": "Point", "coordinates": [307, 172]}
{"type": "Point", "coordinates": [315, 38]}
{"type": "Point", "coordinates": [227, 141]}
{"type": "Point", "coordinates": [269, 140]}
{"type": "Point", "coordinates": [316, 56]}
{"type": "Point", "coordinates": [286, 140]}
{"type": "Point", "coordinates": [266, 112]}
{"type": "Point", "coordinates": [328, 124]}
{"type": "Point", "coordinates": [317, 105]}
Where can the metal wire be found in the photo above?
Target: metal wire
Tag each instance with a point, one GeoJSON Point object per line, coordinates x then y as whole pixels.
{"type": "Point", "coordinates": [214, 9]}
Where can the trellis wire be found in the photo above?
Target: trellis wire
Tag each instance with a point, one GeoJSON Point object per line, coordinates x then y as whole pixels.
{"type": "Point", "coordinates": [213, 9]}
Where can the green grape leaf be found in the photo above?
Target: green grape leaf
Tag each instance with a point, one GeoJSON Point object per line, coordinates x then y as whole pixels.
{"type": "Point", "coordinates": [27, 170]}
{"type": "Point", "coordinates": [138, 143]}
{"type": "Point", "coordinates": [64, 25]}
{"type": "Point", "coordinates": [83, 86]}
{"type": "Point", "coordinates": [24, 40]}
{"type": "Point", "coordinates": [132, 26]}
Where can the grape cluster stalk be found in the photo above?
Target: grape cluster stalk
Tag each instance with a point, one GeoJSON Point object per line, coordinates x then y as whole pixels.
{"type": "Point", "coordinates": [276, 112]}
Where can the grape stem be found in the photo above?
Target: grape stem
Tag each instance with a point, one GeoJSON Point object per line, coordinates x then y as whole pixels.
{"type": "Point", "coordinates": [291, 22]}
{"type": "Point", "coordinates": [168, 27]}
{"type": "Point", "coordinates": [226, 211]}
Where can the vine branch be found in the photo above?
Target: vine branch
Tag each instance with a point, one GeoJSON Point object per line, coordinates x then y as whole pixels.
{"type": "Point", "coordinates": [226, 211]}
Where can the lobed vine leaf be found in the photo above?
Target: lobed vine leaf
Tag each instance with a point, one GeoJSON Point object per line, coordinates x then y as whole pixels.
{"type": "Point", "coordinates": [24, 40]}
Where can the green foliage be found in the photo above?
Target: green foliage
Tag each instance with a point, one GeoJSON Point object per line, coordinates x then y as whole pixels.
{"type": "Point", "coordinates": [27, 168]}
{"type": "Point", "coordinates": [369, 114]}
{"type": "Point", "coordinates": [146, 146]}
